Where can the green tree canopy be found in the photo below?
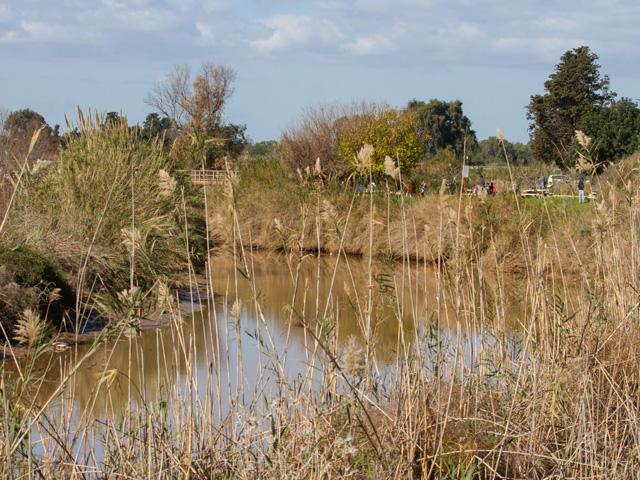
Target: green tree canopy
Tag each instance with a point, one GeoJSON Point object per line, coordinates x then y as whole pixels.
{"type": "Point", "coordinates": [572, 92]}
{"type": "Point", "coordinates": [614, 130]}
{"type": "Point", "coordinates": [490, 152]}
{"type": "Point", "coordinates": [155, 126]}
{"type": "Point", "coordinates": [443, 125]}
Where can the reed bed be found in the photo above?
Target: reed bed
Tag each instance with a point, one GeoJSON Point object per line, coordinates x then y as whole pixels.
{"type": "Point", "coordinates": [469, 392]}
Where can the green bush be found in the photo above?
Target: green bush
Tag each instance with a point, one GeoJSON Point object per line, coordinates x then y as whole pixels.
{"type": "Point", "coordinates": [32, 280]}
{"type": "Point", "coordinates": [105, 177]}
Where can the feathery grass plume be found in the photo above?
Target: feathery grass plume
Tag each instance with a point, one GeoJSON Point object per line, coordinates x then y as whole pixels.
{"type": "Point", "coordinates": [353, 357]}
{"type": "Point", "coordinates": [165, 300]}
{"type": "Point", "coordinates": [233, 180]}
{"type": "Point", "coordinates": [29, 328]}
{"type": "Point", "coordinates": [131, 240]}
{"type": "Point", "coordinates": [279, 228]}
{"type": "Point", "coordinates": [390, 168]}
{"type": "Point", "coordinates": [107, 377]}
{"type": "Point", "coordinates": [166, 185]}
{"type": "Point", "coordinates": [131, 299]}
{"type": "Point", "coordinates": [362, 161]}
{"type": "Point", "coordinates": [329, 212]}
{"type": "Point", "coordinates": [583, 139]}
{"type": "Point", "coordinates": [237, 309]}
{"type": "Point", "coordinates": [583, 165]}
{"type": "Point", "coordinates": [54, 295]}
{"type": "Point", "coordinates": [317, 170]}
{"type": "Point", "coordinates": [39, 165]}
{"type": "Point", "coordinates": [443, 188]}
{"type": "Point", "coordinates": [500, 136]}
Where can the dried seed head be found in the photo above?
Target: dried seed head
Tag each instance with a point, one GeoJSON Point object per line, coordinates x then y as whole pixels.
{"type": "Point", "coordinates": [362, 161]}
{"type": "Point", "coordinates": [329, 212]}
{"type": "Point", "coordinates": [166, 185]}
{"type": "Point", "coordinates": [29, 328]}
{"type": "Point", "coordinates": [353, 358]}
{"type": "Point", "coordinates": [131, 241]}
{"type": "Point", "coordinates": [237, 309]}
{"type": "Point", "coordinates": [129, 297]}
{"type": "Point", "coordinates": [583, 139]}
{"type": "Point", "coordinates": [54, 295]}
{"type": "Point", "coordinates": [390, 168]}
{"type": "Point", "coordinates": [279, 227]}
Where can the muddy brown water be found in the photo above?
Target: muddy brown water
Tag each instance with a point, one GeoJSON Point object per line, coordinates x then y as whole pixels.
{"type": "Point", "coordinates": [226, 348]}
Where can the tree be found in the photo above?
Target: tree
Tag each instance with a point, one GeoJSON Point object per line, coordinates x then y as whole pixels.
{"type": "Point", "coordinates": [443, 125]}
{"type": "Point", "coordinates": [112, 117]}
{"type": "Point", "coordinates": [573, 91]}
{"type": "Point", "coordinates": [490, 151]}
{"type": "Point", "coordinates": [16, 133]}
{"type": "Point", "coordinates": [614, 129]}
{"type": "Point", "coordinates": [317, 134]}
{"type": "Point", "coordinates": [156, 126]}
{"type": "Point", "coordinates": [263, 149]}
{"type": "Point", "coordinates": [195, 108]}
{"type": "Point", "coordinates": [391, 133]}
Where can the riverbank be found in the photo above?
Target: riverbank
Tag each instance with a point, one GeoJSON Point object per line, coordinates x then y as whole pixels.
{"type": "Point", "coordinates": [184, 301]}
{"type": "Point", "coordinates": [262, 209]}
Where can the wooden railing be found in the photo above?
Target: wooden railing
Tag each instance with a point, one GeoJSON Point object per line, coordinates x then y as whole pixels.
{"type": "Point", "coordinates": [208, 177]}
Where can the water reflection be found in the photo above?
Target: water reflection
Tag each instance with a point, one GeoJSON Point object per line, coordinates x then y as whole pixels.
{"type": "Point", "coordinates": [231, 354]}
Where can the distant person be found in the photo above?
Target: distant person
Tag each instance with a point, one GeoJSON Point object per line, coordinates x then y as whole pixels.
{"type": "Point", "coordinates": [408, 189]}
{"type": "Point", "coordinates": [480, 182]}
{"type": "Point", "coordinates": [490, 188]}
{"type": "Point", "coordinates": [550, 183]}
{"type": "Point", "coordinates": [423, 188]}
{"type": "Point", "coordinates": [360, 188]}
{"type": "Point", "coordinates": [581, 191]}
{"type": "Point", "coordinates": [541, 182]}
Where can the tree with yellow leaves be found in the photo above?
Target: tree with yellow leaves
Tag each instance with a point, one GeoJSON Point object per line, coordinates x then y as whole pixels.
{"type": "Point", "coordinates": [390, 132]}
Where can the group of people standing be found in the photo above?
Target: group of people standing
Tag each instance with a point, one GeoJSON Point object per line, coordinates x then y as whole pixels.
{"type": "Point", "coordinates": [480, 184]}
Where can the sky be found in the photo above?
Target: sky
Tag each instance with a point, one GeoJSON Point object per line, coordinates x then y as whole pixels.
{"type": "Point", "coordinates": [291, 55]}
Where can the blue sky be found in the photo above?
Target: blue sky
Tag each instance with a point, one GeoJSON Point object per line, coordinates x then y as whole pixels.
{"type": "Point", "coordinates": [291, 54]}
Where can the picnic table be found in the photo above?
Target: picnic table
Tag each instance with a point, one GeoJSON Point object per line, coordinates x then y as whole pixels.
{"type": "Point", "coordinates": [535, 192]}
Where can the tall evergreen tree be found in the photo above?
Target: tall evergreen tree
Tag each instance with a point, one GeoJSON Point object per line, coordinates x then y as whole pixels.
{"type": "Point", "coordinates": [443, 125]}
{"type": "Point", "coordinates": [572, 92]}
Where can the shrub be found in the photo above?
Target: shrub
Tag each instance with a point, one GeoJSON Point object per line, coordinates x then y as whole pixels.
{"type": "Point", "coordinates": [31, 280]}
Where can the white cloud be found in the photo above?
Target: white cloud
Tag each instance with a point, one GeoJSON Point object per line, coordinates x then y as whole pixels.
{"type": "Point", "coordinates": [9, 37]}
{"type": "Point", "coordinates": [290, 32]}
{"type": "Point", "coordinates": [146, 20]}
{"type": "Point", "coordinates": [217, 6]}
{"type": "Point", "coordinates": [287, 31]}
{"type": "Point", "coordinates": [373, 44]}
{"type": "Point", "coordinates": [5, 13]}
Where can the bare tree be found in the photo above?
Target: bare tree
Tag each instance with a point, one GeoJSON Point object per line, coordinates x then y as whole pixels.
{"type": "Point", "coordinates": [318, 132]}
{"type": "Point", "coordinates": [193, 104]}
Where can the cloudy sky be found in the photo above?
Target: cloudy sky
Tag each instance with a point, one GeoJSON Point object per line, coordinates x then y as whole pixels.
{"type": "Point", "coordinates": [292, 54]}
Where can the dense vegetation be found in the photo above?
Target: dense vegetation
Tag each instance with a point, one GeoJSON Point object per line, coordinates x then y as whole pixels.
{"type": "Point", "coordinates": [108, 220]}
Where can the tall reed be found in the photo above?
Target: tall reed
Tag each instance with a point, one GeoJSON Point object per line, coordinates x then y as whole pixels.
{"type": "Point", "coordinates": [470, 390]}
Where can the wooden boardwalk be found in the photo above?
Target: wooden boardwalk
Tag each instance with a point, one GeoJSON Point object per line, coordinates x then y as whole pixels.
{"type": "Point", "coordinates": [208, 177]}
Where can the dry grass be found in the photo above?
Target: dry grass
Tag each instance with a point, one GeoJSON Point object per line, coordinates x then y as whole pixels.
{"type": "Point", "coordinates": [466, 394]}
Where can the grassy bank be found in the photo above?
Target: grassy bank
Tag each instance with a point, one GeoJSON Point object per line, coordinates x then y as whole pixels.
{"type": "Point", "coordinates": [556, 399]}
{"type": "Point", "coordinates": [276, 212]}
